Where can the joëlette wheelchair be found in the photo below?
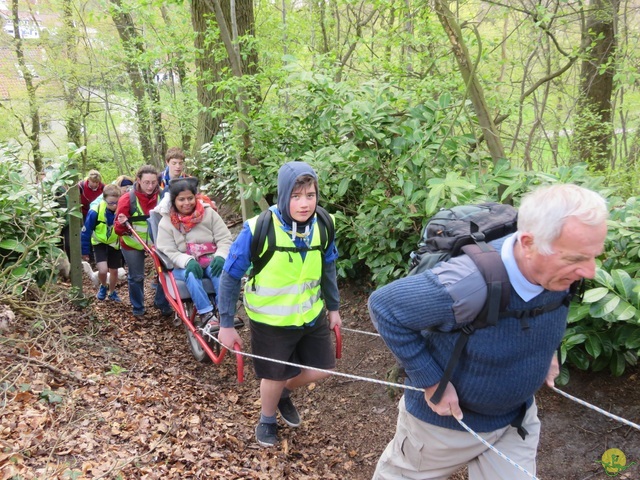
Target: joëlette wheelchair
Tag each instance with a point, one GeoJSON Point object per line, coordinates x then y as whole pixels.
{"type": "Point", "coordinates": [203, 347]}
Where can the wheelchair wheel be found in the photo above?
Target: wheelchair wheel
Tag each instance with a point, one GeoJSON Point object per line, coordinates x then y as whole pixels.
{"type": "Point", "coordinates": [196, 349]}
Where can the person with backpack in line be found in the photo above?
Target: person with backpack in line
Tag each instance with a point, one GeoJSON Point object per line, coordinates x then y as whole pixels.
{"type": "Point", "coordinates": [90, 188]}
{"type": "Point", "coordinates": [286, 300]}
{"type": "Point", "coordinates": [124, 184]}
{"type": "Point", "coordinates": [561, 230]}
{"type": "Point", "coordinates": [134, 207]}
{"type": "Point", "coordinates": [174, 159]}
{"type": "Point", "coordinates": [99, 232]}
{"type": "Point", "coordinates": [197, 241]}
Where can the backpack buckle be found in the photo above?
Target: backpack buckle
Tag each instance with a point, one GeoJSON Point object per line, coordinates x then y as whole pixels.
{"type": "Point", "coordinates": [468, 329]}
{"type": "Point", "coordinates": [525, 314]}
{"type": "Point", "coordinates": [478, 237]}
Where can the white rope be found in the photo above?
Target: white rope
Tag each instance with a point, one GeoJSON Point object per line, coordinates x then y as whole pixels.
{"type": "Point", "coordinates": [409, 387]}
{"type": "Point", "coordinates": [494, 449]}
{"type": "Point", "coordinates": [373, 380]}
{"type": "Point", "coordinates": [597, 409]}
{"type": "Point", "coordinates": [306, 367]}
{"type": "Point", "coordinates": [345, 329]}
{"type": "Point", "coordinates": [570, 397]}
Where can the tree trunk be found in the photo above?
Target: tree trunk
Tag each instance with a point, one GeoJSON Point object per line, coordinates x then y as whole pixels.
{"type": "Point", "coordinates": [208, 69]}
{"type": "Point", "coordinates": [474, 88]}
{"type": "Point", "coordinates": [72, 96]}
{"type": "Point", "coordinates": [34, 112]}
{"type": "Point", "coordinates": [133, 47]}
{"type": "Point", "coordinates": [178, 66]}
{"type": "Point", "coordinates": [594, 128]}
{"type": "Point", "coordinates": [159, 139]}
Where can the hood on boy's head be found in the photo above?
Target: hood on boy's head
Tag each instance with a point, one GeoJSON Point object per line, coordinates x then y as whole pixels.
{"type": "Point", "coordinates": [287, 176]}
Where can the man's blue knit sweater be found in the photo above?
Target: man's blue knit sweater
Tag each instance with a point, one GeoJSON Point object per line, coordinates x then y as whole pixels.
{"type": "Point", "coordinates": [501, 368]}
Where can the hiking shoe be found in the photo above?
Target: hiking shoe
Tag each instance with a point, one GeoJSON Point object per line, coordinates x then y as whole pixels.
{"type": "Point", "coordinates": [166, 312]}
{"type": "Point", "coordinates": [210, 322]}
{"type": "Point", "coordinates": [138, 313]}
{"type": "Point", "coordinates": [288, 412]}
{"type": "Point", "coordinates": [102, 292]}
{"type": "Point", "coordinates": [267, 434]}
{"type": "Point", "coordinates": [114, 297]}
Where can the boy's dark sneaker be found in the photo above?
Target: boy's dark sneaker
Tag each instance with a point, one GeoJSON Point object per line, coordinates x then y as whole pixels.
{"type": "Point", "coordinates": [267, 434]}
{"type": "Point", "coordinates": [102, 292]}
{"type": "Point", "coordinates": [288, 412]}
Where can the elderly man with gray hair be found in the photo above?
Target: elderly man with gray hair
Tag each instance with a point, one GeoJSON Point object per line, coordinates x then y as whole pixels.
{"type": "Point", "coordinates": [561, 231]}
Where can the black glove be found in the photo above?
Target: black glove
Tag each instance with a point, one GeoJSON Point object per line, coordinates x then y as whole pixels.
{"type": "Point", "coordinates": [216, 266]}
{"type": "Point", "coordinates": [193, 267]}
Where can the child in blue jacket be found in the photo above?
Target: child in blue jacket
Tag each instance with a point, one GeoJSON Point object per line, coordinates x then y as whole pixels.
{"type": "Point", "coordinates": [98, 231]}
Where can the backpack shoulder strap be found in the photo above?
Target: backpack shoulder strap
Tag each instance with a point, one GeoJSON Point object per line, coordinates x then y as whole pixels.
{"type": "Point", "coordinates": [490, 265]}
{"type": "Point", "coordinates": [326, 228]}
{"type": "Point", "coordinates": [264, 230]}
{"type": "Point", "coordinates": [134, 216]}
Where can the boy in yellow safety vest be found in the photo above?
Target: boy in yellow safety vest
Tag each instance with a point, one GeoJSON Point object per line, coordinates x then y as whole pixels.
{"type": "Point", "coordinates": [292, 302]}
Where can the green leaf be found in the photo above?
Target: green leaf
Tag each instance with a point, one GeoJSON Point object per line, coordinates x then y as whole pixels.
{"type": "Point", "coordinates": [624, 311]}
{"type": "Point", "coordinates": [563, 378]}
{"type": "Point", "coordinates": [577, 312]}
{"type": "Point", "coordinates": [605, 306]}
{"type": "Point", "coordinates": [444, 100]}
{"type": "Point", "coordinates": [431, 205]}
{"type": "Point", "coordinates": [578, 358]}
{"type": "Point", "coordinates": [575, 339]}
{"type": "Point", "coordinates": [632, 342]}
{"type": "Point", "coordinates": [11, 244]}
{"type": "Point", "coordinates": [593, 346]}
{"type": "Point", "coordinates": [407, 188]}
{"type": "Point", "coordinates": [343, 187]}
{"type": "Point", "coordinates": [624, 283]}
{"type": "Point", "coordinates": [617, 364]}
{"type": "Point", "coordinates": [595, 294]}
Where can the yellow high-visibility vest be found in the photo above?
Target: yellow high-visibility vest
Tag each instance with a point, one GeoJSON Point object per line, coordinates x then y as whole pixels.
{"type": "Point", "coordinates": [104, 233]}
{"type": "Point", "coordinates": [138, 221]}
{"type": "Point", "coordinates": [286, 292]}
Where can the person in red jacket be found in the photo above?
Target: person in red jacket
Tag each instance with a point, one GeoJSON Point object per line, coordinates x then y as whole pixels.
{"type": "Point", "coordinates": [90, 188]}
{"type": "Point", "coordinates": [134, 208]}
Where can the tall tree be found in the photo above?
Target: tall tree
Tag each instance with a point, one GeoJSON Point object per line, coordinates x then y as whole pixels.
{"type": "Point", "coordinates": [178, 71]}
{"type": "Point", "coordinates": [149, 119]}
{"type": "Point", "coordinates": [231, 44]}
{"type": "Point", "coordinates": [34, 111]}
{"type": "Point", "coordinates": [210, 64]}
{"type": "Point", "coordinates": [594, 127]}
{"type": "Point", "coordinates": [469, 74]}
{"type": "Point", "coordinates": [70, 84]}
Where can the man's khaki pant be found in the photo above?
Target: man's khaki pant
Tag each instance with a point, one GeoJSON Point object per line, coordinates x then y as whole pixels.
{"type": "Point", "coordinates": [421, 451]}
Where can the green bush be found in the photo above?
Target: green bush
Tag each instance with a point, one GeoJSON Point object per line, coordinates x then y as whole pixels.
{"type": "Point", "coordinates": [386, 164]}
{"type": "Point", "coordinates": [604, 330]}
{"type": "Point", "coordinates": [31, 218]}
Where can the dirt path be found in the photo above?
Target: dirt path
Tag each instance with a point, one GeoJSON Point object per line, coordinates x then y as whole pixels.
{"type": "Point", "coordinates": [101, 394]}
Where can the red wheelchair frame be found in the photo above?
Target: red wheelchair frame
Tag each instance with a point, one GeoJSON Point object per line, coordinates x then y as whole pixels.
{"type": "Point", "coordinates": [178, 306]}
{"type": "Point", "coordinates": [176, 303]}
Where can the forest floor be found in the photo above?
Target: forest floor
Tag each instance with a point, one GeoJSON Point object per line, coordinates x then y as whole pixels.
{"type": "Point", "coordinates": [95, 393]}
